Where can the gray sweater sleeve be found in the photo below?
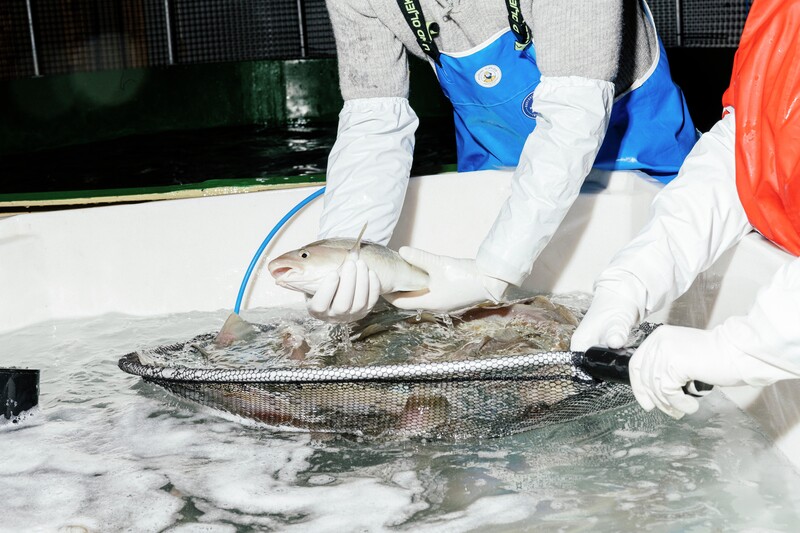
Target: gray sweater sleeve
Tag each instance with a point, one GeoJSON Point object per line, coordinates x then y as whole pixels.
{"type": "Point", "coordinates": [577, 37]}
{"type": "Point", "coordinates": [372, 60]}
{"type": "Point", "coordinates": [610, 40]}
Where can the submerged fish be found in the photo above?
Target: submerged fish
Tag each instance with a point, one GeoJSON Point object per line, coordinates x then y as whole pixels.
{"type": "Point", "coordinates": [531, 322]}
{"type": "Point", "coordinates": [427, 409]}
{"type": "Point", "coordinates": [303, 269]}
{"type": "Point", "coordinates": [389, 335]}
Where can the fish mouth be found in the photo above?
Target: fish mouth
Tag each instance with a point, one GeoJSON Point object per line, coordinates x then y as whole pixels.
{"type": "Point", "coordinates": [280, 271]}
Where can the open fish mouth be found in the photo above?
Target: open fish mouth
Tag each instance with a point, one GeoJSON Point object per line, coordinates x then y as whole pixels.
{"type": "Point", "coordinates": [279, 272]}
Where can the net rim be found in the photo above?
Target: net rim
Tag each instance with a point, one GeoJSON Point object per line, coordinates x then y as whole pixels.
{"type": "Point", "coordinates": [477, 370]}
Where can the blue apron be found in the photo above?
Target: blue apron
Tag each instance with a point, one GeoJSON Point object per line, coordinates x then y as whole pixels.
{"type": "Point", "coordinates": [491, 90]}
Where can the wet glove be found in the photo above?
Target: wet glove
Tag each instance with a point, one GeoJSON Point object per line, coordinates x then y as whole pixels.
{"type": "Point", "coordinates": [672, 356]}
{"type": "Point", "coordinates": [757, 349]}
{"type": "Point", "coordinates": [454, 284]}
{"type": "Point", "coordinates": [346, 295]}
{"type": "Point", "coordinates": [608, 322]}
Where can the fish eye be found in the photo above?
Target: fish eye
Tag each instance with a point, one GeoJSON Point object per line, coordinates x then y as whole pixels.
{"type": "Point", "coordinates": [303, 254]}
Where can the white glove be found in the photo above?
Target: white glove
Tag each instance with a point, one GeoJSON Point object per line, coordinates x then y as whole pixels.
{"type": "Point", "coordinates": [454, 284]}
{"type": "Point", "coordinates": [368, 168]}
{"type": "Point", "coordinates": [693, 221]}
{"type": "Point", "coordinates": [610, 318]}
{"type": "Point", "coordinates": [347, 295]}
{"type": "Point", "coordinates": [757, 349]}
{"type": "Point", "coordinates": [672, 356]}
{"type": "Point", "coordinates": [572, 118]}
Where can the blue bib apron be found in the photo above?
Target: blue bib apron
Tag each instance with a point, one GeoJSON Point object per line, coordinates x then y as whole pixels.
{"type": "Point", "coordinates": [491, 89]}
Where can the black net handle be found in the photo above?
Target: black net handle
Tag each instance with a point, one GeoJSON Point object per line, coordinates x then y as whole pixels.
{"type": "Point", "coordinates": [607, 364]}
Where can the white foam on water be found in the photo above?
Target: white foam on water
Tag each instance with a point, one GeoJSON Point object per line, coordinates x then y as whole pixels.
{"type": "Point", "coordinates": [107, 452]}
{"type": "Point", "coordinates": [202, 528]}
{"type": "Point", "coordinates": [29, 416]}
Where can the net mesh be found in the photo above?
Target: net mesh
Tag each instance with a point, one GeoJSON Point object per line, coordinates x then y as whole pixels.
{"type": "Point", "coordinates": [212, 31]}
{"type": "Point", "coordinates": [480, 398]}
{"type": "Point", "coordinates": [16, 56]}
{"type": "Point", "coordinates": [712, 23]}
{"type": "Point", "coordinates": [87, 35]}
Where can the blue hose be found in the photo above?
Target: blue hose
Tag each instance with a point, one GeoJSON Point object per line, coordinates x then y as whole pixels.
{"type": "Point", "coordinates": [264, 244]}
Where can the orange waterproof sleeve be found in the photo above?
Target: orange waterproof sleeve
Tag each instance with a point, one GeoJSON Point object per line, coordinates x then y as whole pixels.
{"type": "Point", "coordinates": [765, 92]}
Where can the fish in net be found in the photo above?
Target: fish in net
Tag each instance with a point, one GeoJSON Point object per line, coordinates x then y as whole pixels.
{"type": "Point", "coordinates": [490, 372]}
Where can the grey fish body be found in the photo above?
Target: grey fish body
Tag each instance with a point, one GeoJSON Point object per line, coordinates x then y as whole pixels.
{"type": "Point", "coordinates": [303, 269]}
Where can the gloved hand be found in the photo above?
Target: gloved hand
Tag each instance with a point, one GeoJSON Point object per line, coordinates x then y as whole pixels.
{"type": "Point", "coordinates": [672, 356]}
{"type": "Point", "coordinates": [610, 318]}
{"type": "Point", "coordinates": [346, 295]}
{"type": "Point", "coordinates": [454, 284]}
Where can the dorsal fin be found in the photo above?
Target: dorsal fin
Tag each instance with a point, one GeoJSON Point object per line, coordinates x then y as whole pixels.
{"type": "Point", "coordinates": [353, 253]}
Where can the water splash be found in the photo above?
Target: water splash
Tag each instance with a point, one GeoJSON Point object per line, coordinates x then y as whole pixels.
{"type": "Point", "coordinates": [341, 335]}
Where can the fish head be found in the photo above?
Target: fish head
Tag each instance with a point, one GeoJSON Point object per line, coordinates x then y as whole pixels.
{"type": "Point", "coordinates": [303, 269]}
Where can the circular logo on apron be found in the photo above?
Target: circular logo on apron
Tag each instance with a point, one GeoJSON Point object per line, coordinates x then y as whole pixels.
{"type": "Point", "coordinates": [488, 76]}
{"type": "Point", "coordinates": [527, 106]}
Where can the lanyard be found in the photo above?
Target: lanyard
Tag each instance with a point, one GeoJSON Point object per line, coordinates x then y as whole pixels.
{"type": "Point", "coordinates": [518, 25]}
{"type": "Point", "coordinates": [424, 33]}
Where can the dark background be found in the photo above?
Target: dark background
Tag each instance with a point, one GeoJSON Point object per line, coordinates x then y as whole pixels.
{"type": "Point", "coordinates": [184, 123]}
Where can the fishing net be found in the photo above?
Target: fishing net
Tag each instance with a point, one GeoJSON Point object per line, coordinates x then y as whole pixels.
{"type": "Point", "coordinates": [477, 398]}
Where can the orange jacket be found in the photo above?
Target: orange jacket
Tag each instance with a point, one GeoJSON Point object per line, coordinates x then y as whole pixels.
{"type": "Point", "coordinates": [765, 93]}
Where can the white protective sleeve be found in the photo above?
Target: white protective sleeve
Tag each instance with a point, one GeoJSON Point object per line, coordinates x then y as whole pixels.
{"type": "Point", "coordinates": [693, 221]}
{"type": "Point", "coordinates": [771, 330]}
{"type": "Point", "coordinates": [368, 168]}
{"type": "Point", "coordinates": [572, 115]}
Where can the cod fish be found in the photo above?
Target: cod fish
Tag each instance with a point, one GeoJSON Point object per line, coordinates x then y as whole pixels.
{"type": "Point", "coordinates": [303, 269]}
